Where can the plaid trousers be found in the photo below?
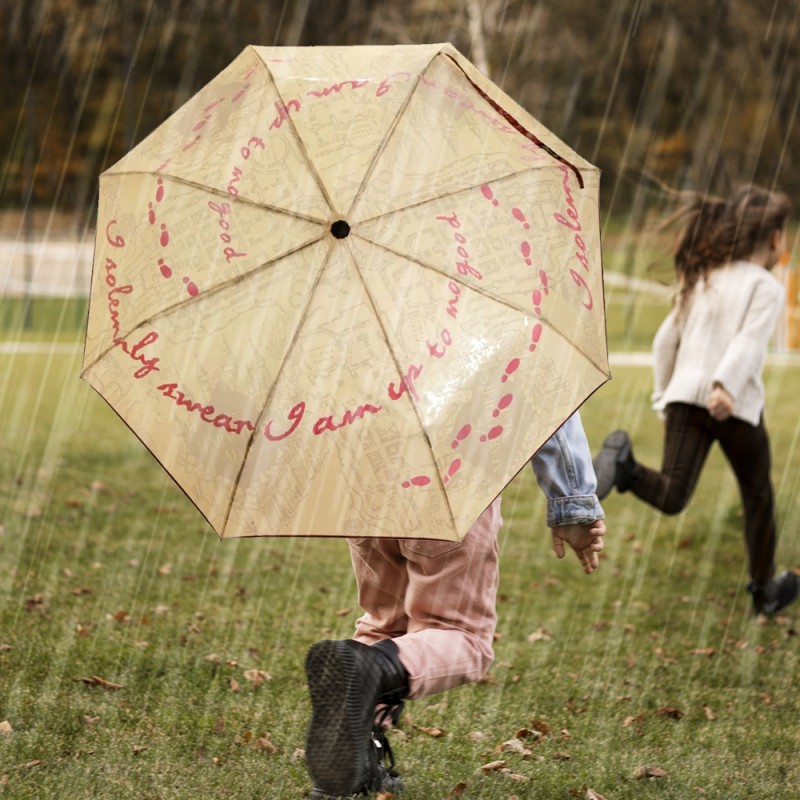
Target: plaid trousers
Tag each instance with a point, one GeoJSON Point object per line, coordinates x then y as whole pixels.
{"type": "Point", "coordinates": [688, 435]}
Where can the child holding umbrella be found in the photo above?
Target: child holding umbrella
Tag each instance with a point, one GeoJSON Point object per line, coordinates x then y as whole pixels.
{"type": "Point", "coordinates": [429, 623]}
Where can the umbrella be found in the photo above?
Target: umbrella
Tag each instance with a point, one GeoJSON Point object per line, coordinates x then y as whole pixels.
{"type": "Point", "coordinates": [347, 291]}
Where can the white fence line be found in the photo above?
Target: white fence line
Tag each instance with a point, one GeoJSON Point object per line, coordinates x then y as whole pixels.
{"type": "Point", "coordinates": [45, 268]}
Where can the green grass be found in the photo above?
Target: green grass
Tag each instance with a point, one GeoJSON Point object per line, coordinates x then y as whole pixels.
{"type": "Point", "coordinates": [42, 318]}
{"type": "Point", "coordinates": [107, 571]}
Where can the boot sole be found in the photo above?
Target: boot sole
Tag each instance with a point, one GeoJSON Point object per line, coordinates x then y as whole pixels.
{"type": "Point", "coordinates": [335, 750]}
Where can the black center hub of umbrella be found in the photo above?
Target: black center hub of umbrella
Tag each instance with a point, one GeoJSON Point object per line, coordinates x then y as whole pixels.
{"type": "Point", "coordinates": [340, 229]}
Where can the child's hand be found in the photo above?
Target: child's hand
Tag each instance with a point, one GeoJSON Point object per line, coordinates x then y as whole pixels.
{"type": "Point", "coordinates": [719, 403]}
{"type": "Point", "coordinates": [585, 540]}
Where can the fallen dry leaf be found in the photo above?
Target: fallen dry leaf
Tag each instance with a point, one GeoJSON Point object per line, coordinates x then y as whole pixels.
{"type": "Point", "coordinates": [298, 755]}
{"type": "Point", "coordinates": [35, 603]}
{"type": "Point", "coordinates": [139, 748]}
{"type": "Point", "coordinates": [703, 651]}
{"type": "Point", "coordinates": [527, 733]}
{"type": "Point", "coordinates": [709, 713]}
{"type": "Point", "coordinates": [5, 728]}
{"type": "Point", "coordinates": [562, 756]}
{"type": "Point", "coordinates": [591, 794]}
{"type": "Point", "coordinates": [515, 776]}
{"type": "Point", "coordinates": [540, 726]}
{"type": "Point", "coordinates": [457, 790]}
{"type": "Point", "coordinates": [478, 736]}
{"type": "Point", "coordinates": [668, 711]}
{"type": "Point", "coordinates": [540, 635]}
{"type": "Point", "coordinates": [165, 569]}
{"type": "Point", "coordinates": [649, 772]}
{"type": "Point", "coordinates": [384, 796]}
{"type": "Point", "coordinates": [635, 720]}
{"type": "Point", "coordinates": [94, 680]}
{"type": "Point", "coordinates": [493, 766]}
{"type": "Point", "coordinates": [233, 684]}
{"type": "Point", "coordinates": [513, 746]}
{"type": "Point", "coordinates": [5, 647]}
{"type": "Point", "coordinates": [257, 677]}
{"type": "Point", "coordinates": [343, 612]}
{"type": "Point", "coordinates": [436, 733]}
{"type": "Point", "coordinates": [265, 744]}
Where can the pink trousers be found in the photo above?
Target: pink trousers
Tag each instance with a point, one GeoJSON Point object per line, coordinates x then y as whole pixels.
{"type": "Point", "coordinates": [436, 600]}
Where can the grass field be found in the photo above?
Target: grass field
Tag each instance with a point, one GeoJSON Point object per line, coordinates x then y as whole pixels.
{"type": "Point", "coordinates": [142, 658]}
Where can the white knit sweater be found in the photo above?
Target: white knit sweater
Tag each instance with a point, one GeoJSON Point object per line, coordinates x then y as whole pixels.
{"type": "Point", "coordinates": [721, 335]}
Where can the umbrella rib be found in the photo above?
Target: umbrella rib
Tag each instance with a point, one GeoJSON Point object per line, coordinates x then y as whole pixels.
{"type": "Point", "coordinates": [300, 143]}
{"type": "Point", "coordinates": [456, 279]}
{"type": "Point", "coordinates": [222, 193]}
{"type": "Point", "coordinates": [382, 146]}
{"type": "Point", "coordinates": [400, 372]}
{"type": "Point", "coordinates": [453, 193]}
{"type": "Point", "coordinates": [165, 312]}
{"type": "Point", "coordinates": [270, 392]}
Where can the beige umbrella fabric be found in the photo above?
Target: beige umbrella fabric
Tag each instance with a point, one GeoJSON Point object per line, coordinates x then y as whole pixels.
{"type": "Point", "coordinates": [347, 291]}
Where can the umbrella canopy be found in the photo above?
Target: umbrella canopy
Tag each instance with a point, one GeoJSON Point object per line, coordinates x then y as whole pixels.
{"type": "Point", "coordinates": [347, 291]}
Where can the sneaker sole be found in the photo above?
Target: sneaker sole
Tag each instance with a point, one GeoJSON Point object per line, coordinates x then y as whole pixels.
{"type": "Point", "coordinates": [335, 752]}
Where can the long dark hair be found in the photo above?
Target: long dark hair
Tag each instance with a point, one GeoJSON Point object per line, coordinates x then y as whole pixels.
{"type": "Point", "coordinates": [716, 231]}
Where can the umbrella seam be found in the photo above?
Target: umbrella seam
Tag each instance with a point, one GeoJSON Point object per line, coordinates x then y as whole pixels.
{"type": "Point", "coordinates": [220, 193]}
{"type": "Point", "coordinates": [488, 295]}
{"type": "Point", "coordinates": [165, 312]}
{"type": "Point", "coordinates": [382, 146]}
{"type": "Point", "coordinates": [271, 391]}
{"type": "Point", "coordinates": [516, 124]}
{"type": "Point", "coordinates": [456, 192]}
{"type": "Point", "coordinates": [400, 372]}
{"type": "Point", "coordinates": [301, 144]}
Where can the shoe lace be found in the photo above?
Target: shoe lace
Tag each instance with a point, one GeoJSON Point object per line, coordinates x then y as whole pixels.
{"type": "Point", "coordinates": [384, 757]}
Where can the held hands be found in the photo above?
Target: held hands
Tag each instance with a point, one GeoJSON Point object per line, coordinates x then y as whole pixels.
{"type": "Point", "coordinates": [719, 403]}
{"type": "Point", "coordinates": [585, 540]}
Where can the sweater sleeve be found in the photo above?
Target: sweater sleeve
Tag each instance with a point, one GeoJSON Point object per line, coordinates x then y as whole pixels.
{"type": "Point", "coordinates": [744, 356]}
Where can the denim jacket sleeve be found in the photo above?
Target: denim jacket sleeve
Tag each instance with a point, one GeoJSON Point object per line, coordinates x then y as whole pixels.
{"type": "Point", "coordinates": [564, 472]}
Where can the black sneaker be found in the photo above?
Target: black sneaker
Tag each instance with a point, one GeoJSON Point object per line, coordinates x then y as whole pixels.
{"type": "Point", "coordinates": [614, 464]}
{"type": "Point", "coordinates": [346, 681]}
{"type": "Point", "coordinates": [777, 594]}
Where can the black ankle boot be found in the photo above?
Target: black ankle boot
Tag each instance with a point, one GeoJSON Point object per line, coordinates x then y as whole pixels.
{"type": "Point", "coordinates": [346, 681]}
{"type": "Point", "coordinates": [772, 597]}
{"type": "Point", "coordinates": [614, 466]}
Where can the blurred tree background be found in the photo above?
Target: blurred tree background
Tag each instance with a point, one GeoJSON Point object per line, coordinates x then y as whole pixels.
{"type": "Point", "coordinates": [702, 93]}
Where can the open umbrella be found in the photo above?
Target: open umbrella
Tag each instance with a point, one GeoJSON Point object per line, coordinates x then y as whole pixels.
{"type": "Point", "coordinates": [347, 291]}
